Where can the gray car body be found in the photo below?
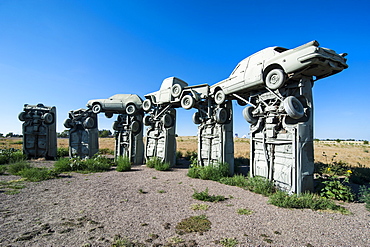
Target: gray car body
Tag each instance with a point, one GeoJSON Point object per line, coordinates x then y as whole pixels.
{"type": "Point", "coordinates": [117, 103]}
{"type": "Point", "coordinates": [305, 60]}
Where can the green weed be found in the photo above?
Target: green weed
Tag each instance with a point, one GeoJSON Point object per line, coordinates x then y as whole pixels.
{"type": "Point", "coordinates": [199, 207]}
{"type": "Point", "coordinates": [204, 196]}
{"type": "Point", "coordinates": [364, 196]}
{"type": "Point", "coordinates": [236, 180]}
{"type": "Point", "coordinates": [304, 200]}
{"type": "Point", "coordinates": [260, 185]}
{"type": "Point", "coordinates": [123, 163]}
{"type": "Point", "coordinates": [229, 242]}
{"type": "Point", "coordinates": [244, 211]}
{"type": "Point", "coordinates": [194, 224]}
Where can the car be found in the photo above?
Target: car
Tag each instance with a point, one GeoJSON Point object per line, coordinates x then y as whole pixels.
{"type": "Point", "coordinates": [176, 92]}
{"type": "Point", "coordinates": [272, 67]}
{"type": "Point", "coordinates": [130, 104]}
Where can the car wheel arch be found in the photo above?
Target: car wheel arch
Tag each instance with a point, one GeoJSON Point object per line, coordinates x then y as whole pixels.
{"type": "Point", "coordinates": [271, 67]}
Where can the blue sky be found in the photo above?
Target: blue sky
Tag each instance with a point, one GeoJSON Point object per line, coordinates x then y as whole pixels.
{"type": "Point", "coordinates": [63, 53]}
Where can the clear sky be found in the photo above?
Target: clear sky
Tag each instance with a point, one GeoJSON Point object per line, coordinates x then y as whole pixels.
{"type": "Point", "coordinates": [65, 52]}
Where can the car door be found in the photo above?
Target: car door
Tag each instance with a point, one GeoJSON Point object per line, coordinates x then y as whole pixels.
{"type": "Point", "coordinates": [113, 104]}
{"type": "Point", "coordinates": [253, 74]}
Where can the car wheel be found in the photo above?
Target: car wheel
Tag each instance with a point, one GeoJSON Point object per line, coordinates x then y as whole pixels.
{"type": "Point", "coordinates": [168, 120]}
{"type": "Point", "coordinates": [48, 118]}
{"type": "Point", "coordinates": [221, 115]}
{"type": "Point", "coordinates": [176, 90]}
{"type": "Point", "coordinates": [147, 105]}
{"type": "Point", "coordinates": [21, 116]}
{"type": "Point", "coordinates": [220, 97]}
{"type": "Point", "coordinates": [147, 121]}
{"type": "Point", "coordinates": [115, 125]}
{"type": "Point", "coordinates": [131, 109]}
{"type": "Point", "coordinates": [275, 79]}
{"type": "Point", "coordinates": [293, 107]}
{"type": "Point", "coordinates": [196, 118]}
{"type": "Point", "coordinates": [68, 123]}
{"type": "Point", "coordinates": [96, 108]}
{"type": "Point", "coordinates": [187, 102]}
{"type": "Point", "coordinates": [108, 114]}
{"type": "Point", "coordinates": [89, 123]}
{"type": "Point", "coordinates": [135, 127]}
{"type": "Point", "coordinates": [248, 116]}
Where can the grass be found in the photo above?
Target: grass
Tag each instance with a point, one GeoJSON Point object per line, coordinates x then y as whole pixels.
{"type": "Point", "coordinates": [194, 224]}
{"type": "Point", "coordinates": [237, 180]}
{"type": "Point", "coordinates": [199, 207]}
{"type": "Point", "coordinates": [156, 163]}
{"type": "Point", "coordinates": [123, 164]}
{"type": "Point", "coordinates": [260, 185]}
{"type": "Point", "coordinates": [212, 172]}
{"type": "Point", "coordinates": [305, 200]}
{"type": "Point", "coordinates": [229, 242]}
{"type": "Point", "coordinates": [96, 164]}
{"type": "Point", "coordinates": [244, 211]}
{"type": "Point", "coordinates": [204, 196]}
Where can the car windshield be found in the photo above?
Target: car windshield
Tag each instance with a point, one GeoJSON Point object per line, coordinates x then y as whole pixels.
{"type": "Point", "coordinates": [280, 49]}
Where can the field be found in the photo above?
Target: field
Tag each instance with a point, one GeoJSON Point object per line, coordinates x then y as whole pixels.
{"type": "Point", "coordinates": [352, 154]}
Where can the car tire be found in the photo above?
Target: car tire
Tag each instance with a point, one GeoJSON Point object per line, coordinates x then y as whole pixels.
{"type": "Point", "coordinates": [68, 123]}
{"type": "Point", "coordinates": [168, 120]}
{"type": "Point", "coordinates": [135, 127]}
{"type": "Point", "coordinates": [176, 90]}
{"type": "Point", "coordinates": [293, 107]}
{"type": "Point", "coordinates": [89, 123]}
{"type": "Point", "coordinates": [115, 125]}
{"type": "Point", "coordinates": [220, 97]}
{"type": "Point", "coordinates": [187, 102]}
{"type": "Point", "coordinates": [48, 118]}
{"type": "Point", "coordinates": [108, 114]}
{"type": "Point", "coordinates": [196, 118]}
{"type": "Point", "coordinates": [147, 105]}
{"type": "Point", "coordinates": [147, 121]}
{"type": "Point", "coordinates": [21, 116]}
{"type": "Point", "coordinates": [275, 79]}
{"type": "Point", "coordinates": [248, 116]}
{"type": "Point", "coordinates": [221, 115]}
{"type": "Point", "coordinates": [131, 109]}
{"type": "Point", "coordinates": [96, 108]}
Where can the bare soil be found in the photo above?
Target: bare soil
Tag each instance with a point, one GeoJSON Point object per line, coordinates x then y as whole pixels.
{"type": "Point", "coordinates": [145, 205]}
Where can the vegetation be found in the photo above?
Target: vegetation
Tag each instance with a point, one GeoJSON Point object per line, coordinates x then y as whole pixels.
{"type": "Point", "coordinates": [96, 164]}
{"type": "Point", "coordinates": [194, 224]}
{"type": "Point", "coordinates": [62, 152]}
{"type": "Point", "coordinates": [204, 196]}
{"type": "Point", "coordinates": [156, 163]}
{"type": "Point", "coordinates": [229, 242]}
{"type": "Point", "coordinates": [123, 164]}
{"type": "Point", "coordinates": [244, 211]}
{"type": "Point", "coordinates": [365, 196]}
{"type": "Point", "coordinates": [199, 207]}
{"type": "Point", "coordinates": [305, 200]}
{"type": "Point", "coordinates": [237, 180]}
{"type": "Point", "coordinates": [261, 185]}
{"type": "Point", "coordinates": [211, 172]}
{"type": "Point", "coordinates": [11, 155]}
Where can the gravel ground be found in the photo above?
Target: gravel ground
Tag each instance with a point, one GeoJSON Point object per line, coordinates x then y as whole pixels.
{"type": "Point", "coordinates": [90, 209]}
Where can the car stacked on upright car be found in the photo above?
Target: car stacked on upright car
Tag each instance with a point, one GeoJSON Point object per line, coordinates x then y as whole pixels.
{"type": "Point", "coordinates": [272, 67]}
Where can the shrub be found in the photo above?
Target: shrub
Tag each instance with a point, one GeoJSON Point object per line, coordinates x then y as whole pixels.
{"type": "Point", "coordinates": [211, 172]}
{"type": "Point", "coordinates": [2, 169]}
{"type": "Point", "coordinates": [11, 155]}
{"type": "Point", "coordinates": [106, 151]}
{"type": "Point", "coordinates": [153, 161]}
{"type": "Point", "coordinates": [194, 224]}
{"type": "Point", "coordinates": [304, 200]}
{"type": "Point", "coordinates": [162, 166]}
{"type": "Point", "coordinates": [123, 163]}
{"type": "Point", "coordinates": [62, 152]}
{"type": "Point", "coordinates": [260, 185]}
{"type": "Point", "coordinates": [96, 164]}
{"type": "Point", "coordinates": [17, 167]}
{"type": "Point", "coordinates": [334, 189]}
{"type": "Point", "coordinates": [364, 196]}
{"type": "Point", "coordinates": [204, 196]}
{"type": "Point", "coordinates": [237, 180]}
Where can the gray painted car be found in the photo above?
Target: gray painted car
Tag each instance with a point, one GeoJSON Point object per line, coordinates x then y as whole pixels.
{"type": "Point", "coordinates": [272, 67]}
{"type": "Point", "coordinates": [118, 103]}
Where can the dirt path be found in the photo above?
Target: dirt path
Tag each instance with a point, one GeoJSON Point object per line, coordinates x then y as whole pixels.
{"type": "Point", "coordinates": [90, 209]}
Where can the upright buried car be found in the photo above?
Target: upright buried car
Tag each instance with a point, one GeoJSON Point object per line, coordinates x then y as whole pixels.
{"type": "Point", "coordinates": [274, 66]}
{"type": "Point", "coordinates": [119, 104]}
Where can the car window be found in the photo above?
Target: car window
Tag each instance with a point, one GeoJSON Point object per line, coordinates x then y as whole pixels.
{"type": "Point", "coordinates": [280, 49]}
